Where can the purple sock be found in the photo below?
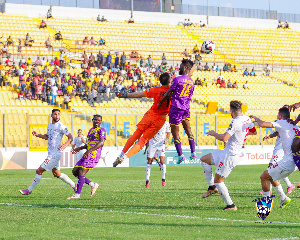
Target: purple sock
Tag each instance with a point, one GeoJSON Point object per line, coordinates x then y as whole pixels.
{"type": "Point", "coordinates": [192, 144]}
{"type": "Point", "coordinates": [178, 147]}
{"type": "Point", "coordinates": [87, 181]}
{"type": "Point", "coordinates": [297, 160]}
{"type": "Point", "coordinates": [81, 181]}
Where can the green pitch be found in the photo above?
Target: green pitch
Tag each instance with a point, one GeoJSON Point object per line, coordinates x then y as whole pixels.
{"type": "Point", "coordinates": [123, 209]}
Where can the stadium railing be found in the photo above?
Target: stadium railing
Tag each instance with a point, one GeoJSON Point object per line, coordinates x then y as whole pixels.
{"type": "Point", "coordinates": [15, 128]}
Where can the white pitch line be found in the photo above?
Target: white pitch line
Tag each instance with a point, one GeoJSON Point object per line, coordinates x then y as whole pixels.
{"type": "Point", "coordinates": [143, 213]}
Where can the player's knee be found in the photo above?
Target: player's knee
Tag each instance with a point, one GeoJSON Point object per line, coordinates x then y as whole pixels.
{"type": "Point", "coordinates": [56, 174]}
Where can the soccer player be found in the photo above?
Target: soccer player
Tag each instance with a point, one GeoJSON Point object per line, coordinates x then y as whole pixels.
{"type": "Point", "coordinates": [182, 89]}
{"type": "Point", "coordinates": [287, 131]}
{"type": "Point", "coordinates": [276, 157]}
{"type": "Point", "coordinates": [240, 127]}
{"type": "Point", "coordinates": [158, 144]}
{"type": "Point", "coordinates": [79, 141]}
{"type": "Point", "coordinates": [89, 160]}
{"type": "Point", "coordinates": [55, 132]}
{"type": "Point", "coordinates": [152, 121]}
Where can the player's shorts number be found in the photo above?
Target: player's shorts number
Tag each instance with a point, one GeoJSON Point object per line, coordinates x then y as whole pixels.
{"type": "Point", "coordinates": [220, 165]}
{"type": "Point", "coordinates": [47, 161]}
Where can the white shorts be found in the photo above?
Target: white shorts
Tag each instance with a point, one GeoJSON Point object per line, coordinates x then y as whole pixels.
{"type": "Point", "coordinates": [282, 169]}
{"type": "Point", "coordinates": [224, 161]}
{"type": "Point", "coordinates": [52, 161]}
{"type": "Point", "coordinates": [153, 149]}
{"type": "Point", "coordinates": [277, 155]}
{"type": "Point", "coordinates": [79, 155]}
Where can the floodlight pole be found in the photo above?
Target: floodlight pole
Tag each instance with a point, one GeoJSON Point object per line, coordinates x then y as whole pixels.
{"type": "Point", "coordinates": [207, 12]}
{"type": "Point", "coordinates": [132, 8]}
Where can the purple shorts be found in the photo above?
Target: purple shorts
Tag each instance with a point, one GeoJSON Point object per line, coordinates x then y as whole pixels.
{"type": "Point", "coordinates": [176, 115]}
{"type": "Point", "coordinates": [88, 163]}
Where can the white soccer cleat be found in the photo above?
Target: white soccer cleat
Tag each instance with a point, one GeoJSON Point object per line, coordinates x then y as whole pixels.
{"type": "Point", "coordinates": [74, 197]}
{"type": "Point", "coordinates": [94, 189]}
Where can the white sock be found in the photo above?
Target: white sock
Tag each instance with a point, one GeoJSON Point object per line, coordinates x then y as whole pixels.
{"type": "Point", "coordinates": [271, 186]}
{"type": "Point", "coordinates": [67, 180]}
{"type": "Point", "coordinates": [91, 184]}
{"type": "Point", "coordinates": [287, 181]}
{"type": "Point", "coordinates": [163, 171]}
{"type": "Point", "coordinates": [224, 193]}
{"type": "Point", "coordinates": [148, 170]}
{"type": "Point", "coordinates": [35, 182]}
{"type": "Point", "coordinates": [122, 154]}
{"type": "Point", "coordinates": [280, 192]}
{"type": "Point", "coordinates": [266, 194]}
{"type": "Point", "coordinates": [208, 173]}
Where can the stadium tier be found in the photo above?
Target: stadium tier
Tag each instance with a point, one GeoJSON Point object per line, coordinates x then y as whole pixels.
{"type": "Point", "coordinates": [253, 45]}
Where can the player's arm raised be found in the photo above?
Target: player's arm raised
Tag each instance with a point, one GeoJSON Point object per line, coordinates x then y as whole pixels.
{"type": "Point", "coordinates": [42, 136]}
{"type": "Point", "coordinates": [272, 135]}
{"type": "Point", "coordinates": [70, 139]}
{"type": "Point", "coordinates": [164, 98]}
{"type": "Point", "coordinates": [96, 147]}
{"type": "Point", "coordinates": [294, 106]}
{"type": "Point", "coordinates": [124, 94]}
{"type": "Point", "coordinates": [262, 123]}
{"type": "Point", "coordinates": [221, 137]}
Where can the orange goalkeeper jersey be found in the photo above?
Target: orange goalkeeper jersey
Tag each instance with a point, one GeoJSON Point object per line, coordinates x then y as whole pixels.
{"type": "Point", "coordinates": [157, 93]}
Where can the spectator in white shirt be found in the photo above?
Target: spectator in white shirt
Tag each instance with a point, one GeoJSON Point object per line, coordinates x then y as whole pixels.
{"type": "Point", "coordinates": [54, 94]}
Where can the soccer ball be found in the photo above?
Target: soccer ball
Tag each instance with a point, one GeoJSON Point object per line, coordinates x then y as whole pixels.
{"type": "Point", "coordinates": [263, 210]}
{"type": "Point", "coordinates": [208, 47]}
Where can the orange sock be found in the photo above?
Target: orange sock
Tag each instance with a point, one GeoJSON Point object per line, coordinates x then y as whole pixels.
{"type": "Point", "coordinates": [137, 147]}
{"type": "Point", "coordinates": [136, 135]}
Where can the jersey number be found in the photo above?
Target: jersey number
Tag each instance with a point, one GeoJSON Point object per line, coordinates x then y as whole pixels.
{"type": "Point", "coordinates": [185, 91]}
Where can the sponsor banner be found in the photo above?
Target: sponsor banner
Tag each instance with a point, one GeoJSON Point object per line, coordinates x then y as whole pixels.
{"type": "Point", "coordinates": [256, 155]}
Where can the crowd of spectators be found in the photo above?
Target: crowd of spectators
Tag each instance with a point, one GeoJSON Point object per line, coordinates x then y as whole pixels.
{"type": "Point", "coordinates": [283, 25]}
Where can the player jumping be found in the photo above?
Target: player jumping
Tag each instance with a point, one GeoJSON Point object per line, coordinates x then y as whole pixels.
{"type": "Point", "coordinates": [287, 131]}
{"type": "Point", "coordinates": [152, 121]}
{"type": "Point", "coordinates": [240, 127]}
{"type": "Point", "coordinates": [55, 132]}
{"type": "Point", "coordinates": [158, 144]}
{"type": "Point", "coordinates": [182, 89]}
{"type": "Point", "coordinates": [89, 160]}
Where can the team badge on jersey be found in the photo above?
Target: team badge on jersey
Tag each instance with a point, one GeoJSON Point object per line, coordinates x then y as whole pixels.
{"type": "Point", "coordinates": [264, 206]}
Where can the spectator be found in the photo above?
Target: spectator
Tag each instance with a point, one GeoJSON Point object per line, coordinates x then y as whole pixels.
{"type": "Point", "coordinates": [201, 24]}
{"type": "Point", "coordinates": [38, 61]}
{"type": "Point", "coordinates": [133, 88]}
{"type": "Point", "coordinates": [101, 41]}
{"type": "Point", "coordinates": [103, 19]}
{"type": "Point", "coordinates": [233, 69]}
{"type": "Point", "coordinates": [39, 90]}
{"type": "Point", "coordinates": [58, 36]}
{"type": "Point", "coordinates": [4, 50]}
{"type": "Point", "coordinates": [246, 73]}
{"type": "Point", "coordinates": [198, 82]}
{"type": "Point", "coordinates": [235, 85]}
{"type": "Point", "coordinates": [204, 82]}
{"type": "Point", "coordinates": [94, 94]}
{"type": "Point", "coordinates": [43, 62]}
{"type": "Point", "coordinates": [92, 61]}
{"type": "Point", "coordinates": [108, 60]}
{"type": "Point", "coordinates": [32, 86]}
{"type": "Point", "coordinates": [213, 68]}
{"type": "Point", "coordinates": [186, 53]}
{"type": "Point", "coordinates": [279, 24]}
{"type": "Point", "coordinates": [20, 49]}
{"type": "Point", "coordinates": [21, 95]}
{"type": "Point", "coordinates": [28, 38]}
{"type": "Point", "coordinates": [8, 62]}
{"type": "Point", "coordinates": [185, 23]}
{"type": "Point", "coordinates": [199, 67]}
{"type": "Point", "coordinates": [206, 67]}
{"type": "Point", "coordinates": [229, 84]}
{"type": "Point", "coordinates": [217, 68]}
{"type": "Point", "coordinates": [196, 49]}
{"type": "Point", "coordinates": [286, 25]}
{"type": "Point", "coordinates": [85, 41]}
{"type": "Point", "coordinates": [56, 62]}
{"type": "Point", "coordinates": [49, 14]}
{"type": "Point", "coordinates": [245, 86]}
{"type": "Point", "coordinates": [43, 24]}
{"type": "Point", "coordinates": [225, 67]}
{"type": "Point", "coordinates": [98, 18]}
{"type": "Point", "coordinates": [66, 100]}
{"type": "Point", "coordinates": [150, 60]}
{"type": "Point", "coordinates": [164, 59]}
{"type": "Point", "coordinates": [29, 61]}
{"type": "Point", "coordinates": [252, 73]}
{"type": "Point", "coordinates": [198, 58]}
{"type": "Point", "coordinates": [9, 41]}
{"type": "Point", "coordinates": [123, 61]}
{"type": "Point", "coordinates": [267, 71]}
{"type": "Point", "coordinates": [48, 43]}
{"type": "Point", "coordinates": [131, 20]}
{"type": "Point", "coordinates": [223, 84]}
{"type": "Point", "coordinates": [117, 60]}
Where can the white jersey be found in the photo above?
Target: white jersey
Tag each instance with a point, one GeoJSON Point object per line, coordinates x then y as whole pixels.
{"type": "Point", "coordinates": [78, 142]}
{"type": "Point", "coordinates": [287, 132]}
{"type": "Point", "coordinates": [278, 144]}
{"type": "Point", "coordinates": [55, 134]}
{"type": "Point", "coordinates": [159, 138]}
{"type": "Point", "coordinates": [239, 130]}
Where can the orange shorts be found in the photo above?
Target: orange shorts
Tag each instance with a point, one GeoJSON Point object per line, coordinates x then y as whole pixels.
{"type": "Point", "coordinates": [150, 125]}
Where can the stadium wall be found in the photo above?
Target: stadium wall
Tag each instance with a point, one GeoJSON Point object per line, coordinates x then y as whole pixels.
{"type": "Point", "coordinates": [25, 159]}
{"type": "Point", "coordinates": [172, 18]}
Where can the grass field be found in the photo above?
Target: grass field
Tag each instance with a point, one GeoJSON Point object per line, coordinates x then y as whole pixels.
{"type": "Point", "coordinates": [123, 209]}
